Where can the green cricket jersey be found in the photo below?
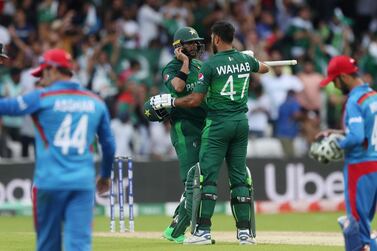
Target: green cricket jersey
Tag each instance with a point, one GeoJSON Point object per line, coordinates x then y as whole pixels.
{"type": "Point", "coordinates": [225, 78]}
{"type": "Point", "coordinates": [168, 73]}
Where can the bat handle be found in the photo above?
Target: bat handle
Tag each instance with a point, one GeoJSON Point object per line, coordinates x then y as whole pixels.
{"type": "Point", "coordinates": [281, 62]}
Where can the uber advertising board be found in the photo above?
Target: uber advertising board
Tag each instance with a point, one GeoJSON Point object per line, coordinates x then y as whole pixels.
{"type": "Point", "coordinates": [274, 180]}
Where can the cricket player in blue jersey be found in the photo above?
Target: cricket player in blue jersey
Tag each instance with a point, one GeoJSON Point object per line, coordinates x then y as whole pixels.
{"type": "Point", "coordinates": [67, 119]}
{"type": "Point", "coordinates": [360, 152]}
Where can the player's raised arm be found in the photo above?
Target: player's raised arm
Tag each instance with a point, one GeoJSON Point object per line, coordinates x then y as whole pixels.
{"type": "Point", "coordinates": [20, 105]}
{"type": "Point", "coordinates": [179, 81]}
{"type": "Point", "coordinates": [193, 100]}
{"type": "Point", "coordinates": [263, 68]}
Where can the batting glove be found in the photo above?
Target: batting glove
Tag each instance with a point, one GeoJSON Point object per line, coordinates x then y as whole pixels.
{"type": "Point", "coordinates": [162, 101]}
{"type": "Point", "coordinates": [327, 149]}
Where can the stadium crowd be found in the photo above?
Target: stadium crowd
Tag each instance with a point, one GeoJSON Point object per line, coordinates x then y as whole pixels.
{"type": "Point", "coordinates": [120, 46]}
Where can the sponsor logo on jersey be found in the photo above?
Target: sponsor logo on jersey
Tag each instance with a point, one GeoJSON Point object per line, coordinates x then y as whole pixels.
{"type": "Point", "coordinates": [190, 87]}
{"type": "Point", "coordinates": [200, 76]}
{"type": "Point", "coordinates": [233, 68]}
{"type": "Point", "coordinates": [21, 103]}
{"type": "Point", "coordinates": [355, 120]}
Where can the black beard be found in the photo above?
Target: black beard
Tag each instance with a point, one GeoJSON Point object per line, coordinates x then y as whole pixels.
{"type": "Point", "coordinates": [214, 48]}
{"type": "Point", "coordinates": [189, 54]}
{"type": "Point", "coordinates": [343, 87]}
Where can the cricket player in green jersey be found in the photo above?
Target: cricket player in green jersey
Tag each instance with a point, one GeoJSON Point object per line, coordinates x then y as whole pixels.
{"type": "Point", "coordinates": [224, 81]}
{"type": "Point", "coordinates": [180, 76]}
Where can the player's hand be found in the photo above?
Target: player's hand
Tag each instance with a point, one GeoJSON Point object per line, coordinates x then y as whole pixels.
{"type": "Point", "coordinates": [248, 52]}
{"type": "Point", "coordinates": [103, 185]}
{"type": "Point", "coordinates": [162, 101]}
{"type": "Point", "coordinates": [180, 55]}
{"type": "Point", "coordinates": [327, 133]}
{"type": "Point", "coordinates": [326, 149]}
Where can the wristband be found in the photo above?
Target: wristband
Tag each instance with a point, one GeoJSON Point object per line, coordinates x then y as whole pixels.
{"type": "Point", "coordinates": [172, 102]}
{"type": "Point", "coordinates": [182, 75]}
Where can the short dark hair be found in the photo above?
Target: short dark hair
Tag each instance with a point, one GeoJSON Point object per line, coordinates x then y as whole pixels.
{"type": "Point", "coordinates": [65, 71]}
{"type": "Point", "coordinates": [355, 74]}
{"type": "Point", "coordinates": [224, 30]}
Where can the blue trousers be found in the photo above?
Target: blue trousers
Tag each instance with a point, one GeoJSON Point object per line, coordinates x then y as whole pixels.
{"type": "Point", "coordinates": [65, 213]}
{"type": "Point", "coordinates": [360, 180]}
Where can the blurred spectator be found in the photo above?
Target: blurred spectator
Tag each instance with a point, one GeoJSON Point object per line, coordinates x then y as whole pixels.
{"type": "Point", "coordinates": [5, 38]}
{"type": "Point", "coordinates": [142, 145]}
{"type": "Point", "coordinates": [130, 28]}
{"type": "Point", "coordinates": [276, 86]}
{"type": "Point", "coordinates": [287, 125]}
{"type": "Point", "coordinates": [24, 30]}
{"type": "Point", "coordinates": [150, 19]}
{"type": "Point", "coordinates": [259, 114]}
{"type": "Point", "coordinates": [285, 13]}
{"type": "Point", "coordinates": [129, 73]}
{"type": "Point", "coordinates": [299, 31]}
{"type": "Point", "coordinates": [124, 134]}
{"type": "Point", "coordinates": [47, 12]}
{"type": "Point", "coordinates": [91, 23]}
{"type": "Point", "coordinates": [26, 136]}
{"type": "Point", "coordinates": [339, 35]}
{"type": "Point", "coordinates": [310, 100]}
{"type": "Point", "coordinates": [118, 47]}
{"type": "Point", "coordinates": [334, 106]}
{"type": "Point", "coordinates": [113, 11]}
{"type": "Point", "coordinates": [11, 88]}
{"type": "Point", "coordinates": [103, 76]}
{"type": "Point", "coordinates": [206, 13]}
{"type": "Point", "coordinates": [161, 146]}
{"type": "Point", "coordinates": [84, 60]}
{"type": "Point", "coordinates": [369, 60]}
{"type": "Point", "coordinates": [258, 46]}
{"type": "Point", "coordinates": [265, 25]}
{"type": "Point", "coordinates": [177, 15]}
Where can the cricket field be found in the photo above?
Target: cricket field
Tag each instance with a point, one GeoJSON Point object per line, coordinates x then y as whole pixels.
{"type": "Point", "coordinates": [290, 231]}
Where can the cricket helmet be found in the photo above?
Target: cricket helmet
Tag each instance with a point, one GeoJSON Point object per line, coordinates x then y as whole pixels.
{"type": "Point", "coordinates": [155, 115]}
{"type": "Point", "coordinates": [185, 34]}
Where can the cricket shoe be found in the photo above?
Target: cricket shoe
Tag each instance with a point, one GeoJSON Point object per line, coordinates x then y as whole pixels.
{"type": "Point", "coordinates": [373, 235]}
{"type": "Point", "coordinates": [343, 221]}
{"type": "Point", "coordinates": [180, 239]}
{"type": "Point", "coordinates": [245, 237]}
{"type": "Point", "coordinates": [167, 234]}
{"type": "Point", "coordinates": [200, 237]}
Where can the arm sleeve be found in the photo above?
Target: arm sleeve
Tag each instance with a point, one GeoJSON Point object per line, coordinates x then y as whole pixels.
{"type": "Point", "coordinates": [355, 134]}
{"type": "Point", "coordinates": [107, 142]}
{"type": "Point", "coordinates": [167, 76]}
{"type": "Point", "coordinates": [21, 105]}
{"type": "Point", "coordinates": [204, 79]}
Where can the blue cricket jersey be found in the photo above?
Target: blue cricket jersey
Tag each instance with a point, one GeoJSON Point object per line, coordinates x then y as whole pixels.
{"type": "Point", "coordinates": [360, 120]}
{"type": "Point", "coordinates": [67, 119]}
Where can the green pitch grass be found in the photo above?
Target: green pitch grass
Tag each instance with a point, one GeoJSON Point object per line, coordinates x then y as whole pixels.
{"type": "Point", "coordinates": [17, 233]}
